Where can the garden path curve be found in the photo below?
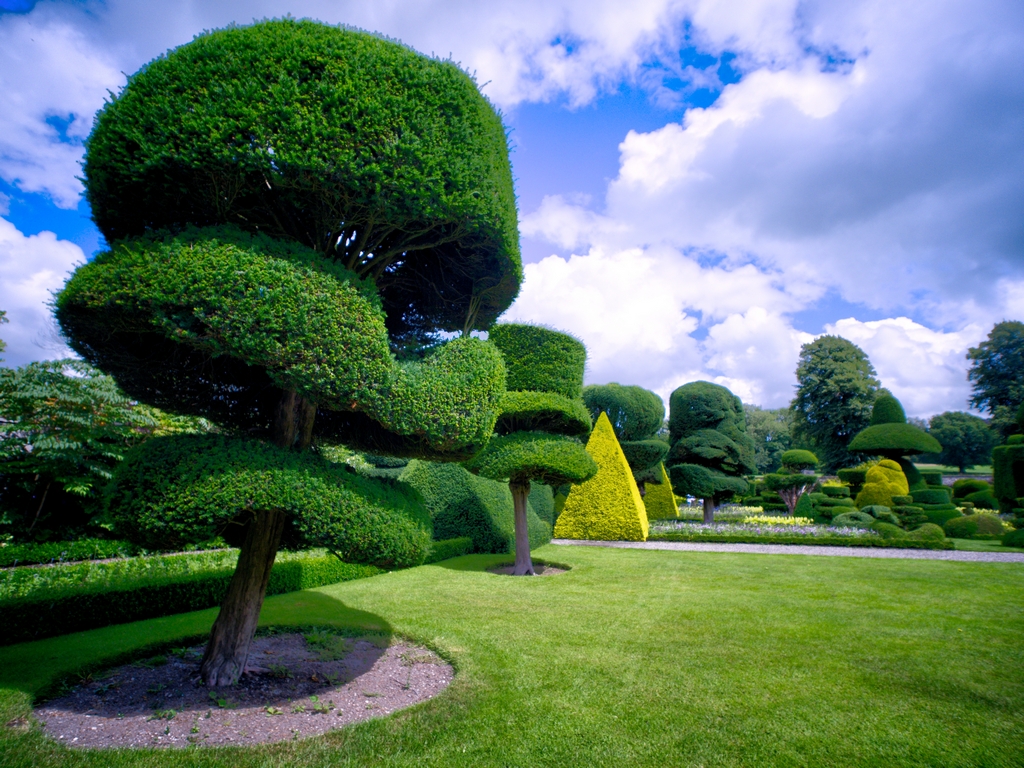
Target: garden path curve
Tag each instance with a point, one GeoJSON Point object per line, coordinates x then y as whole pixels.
{"type": "Point", "coordinates": [799, 549]}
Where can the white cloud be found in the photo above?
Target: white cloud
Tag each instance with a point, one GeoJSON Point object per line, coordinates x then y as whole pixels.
{"type": "Point", "coordinates": [31, 269]}
{"type": "Point", "coordinates": [924, 368]}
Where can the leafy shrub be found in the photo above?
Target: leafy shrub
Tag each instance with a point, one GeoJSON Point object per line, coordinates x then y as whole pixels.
{"type": "Point", "coordinates": [982, 500]}
{"type": "Point", "coordinates": [799, 459]}
{"type": "Point", "coordinates": [883, 514]}
{"type": "Point", "coordinates": [932, 477]}
{"type": "Point", "coordinates": [855, 477]}
{"type": "Point", "coordinates": [539, 360]}
{"type": "Point", "coordinates": [1014, 538]}
{"type": "Point", "coordinates": [888, 530]}
{"type": "Point", "coordinates": [76, 608]}
{"type": "Point", "coordinates": [449, 548]}
{"type": "Point", "coordinates": [883, 482]}
{"type": "Point", "coordinates": [940, 516]}
{"type": "Point", "coordinates": [543, 412]}
{"type": "Point", "coordinates": [836, 491]}
{"type": "Point", "coordinates": [928, 532]}
{"type": "Point", "coordinates": [974, 527]}
{"type": "Point", "coordinates": [542, 499]}
{"type": "Point", "coordinates": [853, 520]}
{"type": "Point", "coordinates": [968, 485]}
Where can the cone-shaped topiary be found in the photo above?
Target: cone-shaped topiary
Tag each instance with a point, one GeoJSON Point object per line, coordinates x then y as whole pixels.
{"type": "Point", "coordinates": [884, 481]}
{"type": "Point", "coordinates": [637, 415]}
{"type": "Point", "coordinates": [660, 501]}
{"type": "Point", "coordinates": [607, 507]}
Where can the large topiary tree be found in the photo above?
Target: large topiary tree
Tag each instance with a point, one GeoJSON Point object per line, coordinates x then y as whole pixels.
{"type": "Point", "coordinates": [711, 450]}
{"type": "Point", "coordinates": [542, 418]}
{"type": "Point", "coordinates": [794, 478]}
{"type": "Point", "coordinates": [286, 204]}
{"type": "Point", "coordinates": [836, 387]}
{"type": "Point", "coordinates": [637, 416]}
{"type": "Point", "coordinates": [891, 437]}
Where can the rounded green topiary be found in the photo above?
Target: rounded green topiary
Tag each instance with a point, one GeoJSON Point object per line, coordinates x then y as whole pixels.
{"type": "Point", "coordinates": [539, 359]}
{"type": "Point", "coordinates": [692, 480]}
{"type": "Point", "coordinates": [972, 526]}
{"type": "Point", "coordinates": [542, 412]}
{"type": "Point", "coordinates": [176, 490]}
{"type": "Point", "coordinates": [883, 482]}
{"type": "Point", "coordinates": [887, 410]}
{"type": "Point", "coordinates": [538, 456]}
{"type": "Point", "coordinates": [982, 500]}
{"type": "Point", "coordinates": [931, 496]}
{"type": "Point", "coordinates": [1014, 538]}
{"type": "Point", "coordinates": [928, 532]}
{"type": "Point", "coordinates": [888, 530]}
{"type": "Point", "coordinates": [635, 413]}
{"type": "Point", "coordinates": [391, 162]}
{"type": "Point", "coordinates": [894, 440]}
{"type": "Point", "coordinates": [853, 520]}
{"type": "Point", "coordinates": [216, 322]}
{"type": "Point", "coordinates": [799, 459]}
{"type": "Point", "coordinates": [968, 485]}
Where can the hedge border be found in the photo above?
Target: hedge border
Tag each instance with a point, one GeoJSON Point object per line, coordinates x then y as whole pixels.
{"type": "Point", "coordinates": [806, 541]}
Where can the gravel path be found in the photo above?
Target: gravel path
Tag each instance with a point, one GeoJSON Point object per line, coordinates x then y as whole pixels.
{"type": "Point", "coordinates": [790, 549]}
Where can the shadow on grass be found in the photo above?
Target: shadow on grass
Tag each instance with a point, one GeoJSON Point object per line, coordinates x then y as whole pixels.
{"type": "Point", "coordinates": [482, 563]}
{"type": "Point", "coordinates": [41, 667]}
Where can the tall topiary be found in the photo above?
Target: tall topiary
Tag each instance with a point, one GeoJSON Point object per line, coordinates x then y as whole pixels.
{"type": "Point", "coordinates": [711, 450]}
{"type": "Point", "coordinates": [660, 501]}
{"type": "Point", "coordinates": [541, 418]}
{"type": "Point", "coordinates": [287, 203]}
{"type": "Point", "coordinates": [637, 415]}
{"type": "Point", "coordinates": [607, 507]}
{"type": "Point", "coordinates": [890, 436]}
{"type": "Point", "coordinates": [1008, 472]}
{"type": "Point", "coordinates": [793, 480]}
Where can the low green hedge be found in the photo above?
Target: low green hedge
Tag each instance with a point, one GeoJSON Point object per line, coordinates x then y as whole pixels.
{"type": "Point", "coordinates": [449, 548]}
{"type": "Point", "coordinates": [931, 496]}
{"type": "Point", "coordinates": [64, 551]}
{"type": "Point", "coordinates": [74, 610]}
{"type": "Point", "coordinates": [817, 541]}
{"type": "Point", "coordinates": [979, 526]}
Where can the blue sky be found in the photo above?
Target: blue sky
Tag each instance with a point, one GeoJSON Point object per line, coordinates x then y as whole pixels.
{"type": "Point", "coordinates": [703, 186]}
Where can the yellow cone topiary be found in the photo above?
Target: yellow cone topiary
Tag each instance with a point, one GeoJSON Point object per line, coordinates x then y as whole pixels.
{"type": "Point", "coordinates": [883, 481]}
{"type": "Point", "coordinates": [659, 501]}
{"type": "Point", "coordinates": [608, 507]}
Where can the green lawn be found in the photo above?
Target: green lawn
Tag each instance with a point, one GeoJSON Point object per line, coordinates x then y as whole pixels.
{"type": "Point", "coordinates": [972, 545]}
{"type": "Point", "coordinates": [642, 658]}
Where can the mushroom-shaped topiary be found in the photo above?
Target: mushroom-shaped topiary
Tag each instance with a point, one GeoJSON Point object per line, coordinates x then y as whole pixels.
{"type": "Point", "coordinates": [792, 481]}
{"type": "Point", "coordinates": [891, 437]}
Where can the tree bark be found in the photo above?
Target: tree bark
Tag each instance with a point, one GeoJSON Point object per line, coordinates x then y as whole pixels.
{"type": "Point", "coordinates": [642, 487]}
{"type": "Point", "coordinates": [232, 633]}
{"type": "Point", "coordinates": [709, 510]}
{"type": "Point", "coordinates": [520, 493]}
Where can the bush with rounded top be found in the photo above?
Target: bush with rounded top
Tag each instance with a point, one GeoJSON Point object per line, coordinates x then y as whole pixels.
{"type": "Point", "coordinates": [538, 456]}
{"type": "Point", "coordinates": [940, 516]}
{"type": "Point", "coordinates": [635, 413]}
{"type": "Point", "coordinates": [974, 526]}
{"type": "Point", "coordinates": [356, 146]}
{"type": "Point", "coordinates": [799, 459]}
{"type": "Point", "coordinates": [171, 491]}
{"type": "Point", "coordinates": [967, 485]}
{"type": "Point", "coordinates": [893, 440]}
{"type": "Point", "coordinates": [888, 530]}
{"type": "Point", "coordinates": [932, 477]}
{"type": "Point", "coordinates": [928, 532]}
{"type": "Point", "coordinates": [887, 410]}
{"type": "Point", "coordinates": [539, 359]}
{"type": "Point", "coordinates": [1014, 538]}
{"type": "Point", "coordinates": [853, 520]}
{"type": "Point", "coordinates": [883, 482]}
{"type": "Point", "coordinates": [836, 491]}
{"type": "Point", "coordinates": [931, 496]}
{"type": "Point", "coordinates": [542, 412]}
{"type": "Point", "coordinates": [982, 500]}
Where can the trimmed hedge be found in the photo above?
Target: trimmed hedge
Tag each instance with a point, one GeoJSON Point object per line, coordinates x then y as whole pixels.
{"type": "Point", "coordinates": [540, 456]}
{"type": "Point", "coordinates": [540, 360]}
{"type": "Point", "coordinates": [931, 496]}
{"type": "Point", "coordinates": [635, 413]}
{"type": "Point", "coordinates": [968, 485]}
{"type": "Point", "coordinates": [542, 499]}
{"type": "Point", "coordinates": [449, 548]}
{"type": "Point", "coordinates": [75, 610]}
{"type": "Point", "coordinates": [883, 483]}
{"type": "Point", "coordinates": [608, 506]}
{"type": "Point", "coordinates": [974, 527]}
{"type": "Point", "coordinates": [462, 504]}
{"type": "Point", "coordinates": [798, 458]}
{"type": "Point", "coordinates": [1008, 473]}
{"type": "Point", "coordinates": [1014, 538]}
{"type": "Point", "coordinates": [853, 520]}
{"type": "Point", "coordinates": [64, 551]}
{"type": "Point", "coordinates": [982, 500]}
{"type": "Point", "coordinates": [940, 516]}
{"type": "Point", "coordinates": [932, 477]}
{"type": "Point", "coordinates": [806, 541]}
{"type": "Point", "coordinates": [836, 491]}
{"type": "Point", "coordinates": [542, 412]}
{"type": "Point", "coordinates": [659, 500]}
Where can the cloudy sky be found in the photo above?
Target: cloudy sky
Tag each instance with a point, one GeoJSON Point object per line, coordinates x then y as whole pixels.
{"type": "Point", "coordinates": [704, 185]}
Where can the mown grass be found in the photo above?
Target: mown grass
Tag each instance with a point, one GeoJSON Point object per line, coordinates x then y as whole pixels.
{"type": "Point", "coordinates": [983, 545]}
{"type": "Point", "coordinates": [639, 658]}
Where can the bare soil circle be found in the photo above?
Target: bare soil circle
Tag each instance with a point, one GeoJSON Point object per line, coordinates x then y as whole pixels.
{"type": "Point", "coordinates": [539, 569]}
{"type": "Point", "coordinates": [304, 685]}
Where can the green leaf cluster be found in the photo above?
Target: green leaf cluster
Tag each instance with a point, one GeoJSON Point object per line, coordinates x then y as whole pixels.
{"type": "Point", "coordinates": [637, 416]}
{"type": "Point", "coordinates": [770, 429]}
{"type": "Point", "coordinates": [997, 369]}
{"type": "Point", "coordinates": [539, 359]}
{"type": "Point", "coordinates": [174, 490]}
{"type": "Point", "coordinates": [539, 456]}
{"type": "Point", "coordinates": [358, 147]}
{"type": "Point", "coordinates": [966, 440]}
{"type": "Point", "coordinates": [836, 388]}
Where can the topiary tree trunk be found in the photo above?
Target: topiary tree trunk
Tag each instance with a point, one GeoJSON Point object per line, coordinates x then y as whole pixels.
{"type": "Point", "coordinates": [520, 493]}
{"type": "Point", "coordinates": [709, 510]}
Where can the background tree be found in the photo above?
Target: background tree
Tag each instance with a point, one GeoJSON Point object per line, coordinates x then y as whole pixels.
{"type": "Point", "coordinates": [771, 431]}
{"type": "Point", "coordinates": [997, 374]}
{"type": "Point", "coordinates": [542, 417]}
{"type": "Point", "coordinates": [711, 450]}
{"type": "Point", "coordinates": [966, 440]}
{"type": "Point", "coordinates": [836, 387]}
{"type": "Point", "coordinates": [61, 436]}
{"type": "Point", "coordinates": [793, 479]}
{"type": "Point", "coordinates": [383, 176]}
{"type": "Point", "coordinates": [636, 415]}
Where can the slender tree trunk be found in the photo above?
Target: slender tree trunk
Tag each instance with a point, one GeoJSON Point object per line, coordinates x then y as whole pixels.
{"type": "Point", "coordinates": [39, 509]}
{"type": "Point", "coordinates": [232, 633]}
{"type": "Point", "coordinates": [520, 493]}
{"type": "Point", "coordinates": [709, 510]}
{"type": "Point", "coordinates": [228, 649]}
{"type": "Point", "coordinates": [642, 487]}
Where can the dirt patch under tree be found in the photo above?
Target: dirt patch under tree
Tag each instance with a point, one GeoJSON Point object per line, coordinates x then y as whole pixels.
{"type": "Point", "coordinates": [304, 685]}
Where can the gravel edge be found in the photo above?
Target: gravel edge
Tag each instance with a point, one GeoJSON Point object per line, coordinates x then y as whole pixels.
{"type": "Point", "coordinates": [796, 549]}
